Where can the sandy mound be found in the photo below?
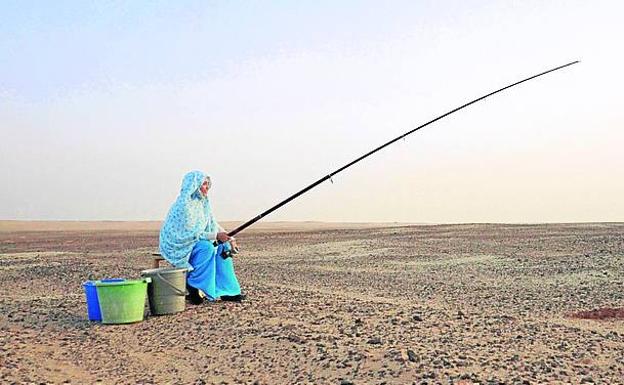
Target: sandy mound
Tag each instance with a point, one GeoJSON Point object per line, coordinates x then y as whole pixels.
{"type": "Point", "coordinates": [608, 313]}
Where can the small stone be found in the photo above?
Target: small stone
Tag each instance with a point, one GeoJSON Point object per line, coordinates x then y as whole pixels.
{"type": "Point", "coordinates": [417, 318]}
{"type": "Point", "coordinates": [375, 341]}
{"type": "Point", "coordinates": [411, 355]}
{"type": "Point", "coordinates": [430, 375]}
{"type": "Point", "coordinates": [346, 382]}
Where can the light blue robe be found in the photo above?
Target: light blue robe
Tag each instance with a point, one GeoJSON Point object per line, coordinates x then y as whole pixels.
{"type": "Point", "coordinates": [212, 274]}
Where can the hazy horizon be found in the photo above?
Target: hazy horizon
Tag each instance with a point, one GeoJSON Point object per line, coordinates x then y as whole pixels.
{"type": "Point", "coordinates": [230, 221]}
{"type": "Point", "coordinates": [105, 106]}
{"type": "Point", "coordinates": [16, 226]}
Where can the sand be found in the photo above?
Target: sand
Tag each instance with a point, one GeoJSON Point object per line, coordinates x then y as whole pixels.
{"type": "Point", "coordinates": [357, 304]}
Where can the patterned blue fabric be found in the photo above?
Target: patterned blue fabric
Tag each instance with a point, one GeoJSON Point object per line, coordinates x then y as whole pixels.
{"type": "Point", "coordinates": [189, 220]}
{"type": "Point", "coordinates": [212, 274]}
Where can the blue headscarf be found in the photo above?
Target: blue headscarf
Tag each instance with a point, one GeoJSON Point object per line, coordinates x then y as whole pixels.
{"type": "Point", "coordinates": [189, 220]}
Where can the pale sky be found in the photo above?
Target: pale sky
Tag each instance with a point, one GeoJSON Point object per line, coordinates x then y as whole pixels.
{"type": "Point", "coordinates": [104, 106]}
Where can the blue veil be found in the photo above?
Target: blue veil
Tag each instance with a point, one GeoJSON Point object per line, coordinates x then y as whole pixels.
{"type": "Point", "coordinates": [189, 220]}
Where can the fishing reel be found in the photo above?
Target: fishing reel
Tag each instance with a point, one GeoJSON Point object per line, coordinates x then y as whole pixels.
{"type": "Point", "coordinates": [225, 254]}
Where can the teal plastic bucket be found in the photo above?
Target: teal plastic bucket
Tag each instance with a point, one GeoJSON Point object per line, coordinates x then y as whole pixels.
{"type": "Point", "coordinates": [122, 302]}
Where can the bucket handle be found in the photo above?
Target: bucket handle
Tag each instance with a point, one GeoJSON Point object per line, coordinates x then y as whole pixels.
{"type": "Point", "coordinates": [172, 286]}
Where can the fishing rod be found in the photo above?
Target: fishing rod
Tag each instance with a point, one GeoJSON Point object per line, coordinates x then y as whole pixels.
{"type": "Point", "coordinates": [331, 174]}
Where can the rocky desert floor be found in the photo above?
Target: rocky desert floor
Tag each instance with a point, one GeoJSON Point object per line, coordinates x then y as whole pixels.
{"type": "Point", "coordinates": [438, 304]}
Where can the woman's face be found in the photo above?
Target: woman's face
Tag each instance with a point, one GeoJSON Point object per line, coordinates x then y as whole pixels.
{"type": "Point", "coordinates": [204, 188]}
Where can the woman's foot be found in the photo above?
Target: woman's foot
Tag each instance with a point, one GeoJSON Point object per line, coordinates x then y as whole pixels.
{"type": "Point", "coordinates": [193, 295]}
{"type": "Point", "coordinates": [233, 298]}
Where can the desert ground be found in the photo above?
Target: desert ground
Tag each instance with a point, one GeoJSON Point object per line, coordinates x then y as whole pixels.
{"type": "Point", "coordinates": [327, 304]}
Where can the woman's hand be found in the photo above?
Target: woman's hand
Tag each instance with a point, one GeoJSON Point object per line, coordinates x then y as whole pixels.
{"type": "Point", "coordinates": [223, 237]}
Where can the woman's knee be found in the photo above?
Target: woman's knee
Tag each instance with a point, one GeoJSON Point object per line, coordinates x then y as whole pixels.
{"type": "Point", "coordinates": [202, 250]}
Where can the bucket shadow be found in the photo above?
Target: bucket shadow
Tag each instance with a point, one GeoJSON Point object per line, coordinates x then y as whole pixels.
{"type": "Point", "coordinates": [47, 314]}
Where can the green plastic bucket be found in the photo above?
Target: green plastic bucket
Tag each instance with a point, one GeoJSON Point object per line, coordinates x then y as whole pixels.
{"type": "Point", "coordinates": [122, 302]}
{"type": "Point", "coordinates": [167, 291]}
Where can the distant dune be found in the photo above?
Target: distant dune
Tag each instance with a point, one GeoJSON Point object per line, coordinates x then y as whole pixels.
{"type": "Point", "coordinates": [11, 226]}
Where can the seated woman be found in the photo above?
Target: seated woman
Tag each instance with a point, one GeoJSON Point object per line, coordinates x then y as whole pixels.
{"type": "Point", "coordinates": [188, 240]}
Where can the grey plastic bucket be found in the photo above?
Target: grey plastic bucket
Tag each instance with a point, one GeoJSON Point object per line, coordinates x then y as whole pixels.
{"type": "Point", "coordinates": [167, 291]}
